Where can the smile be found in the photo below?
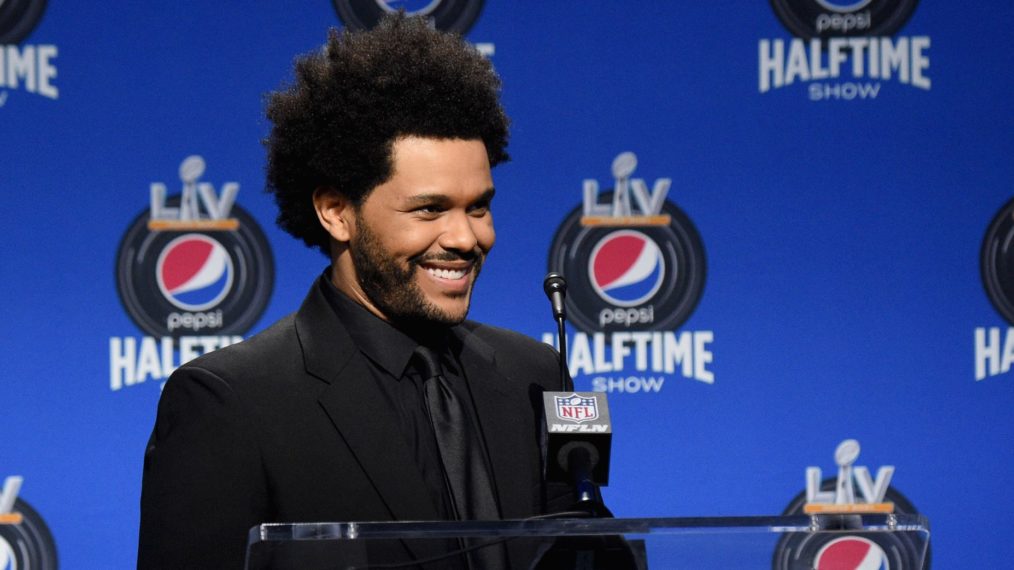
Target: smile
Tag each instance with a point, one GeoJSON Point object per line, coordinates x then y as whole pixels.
{"type": "Point", "coordinates": [450, 274]}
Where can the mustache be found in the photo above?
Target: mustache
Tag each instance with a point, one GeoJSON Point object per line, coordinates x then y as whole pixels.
{"type": "Point", "coordinates": [473, 256]}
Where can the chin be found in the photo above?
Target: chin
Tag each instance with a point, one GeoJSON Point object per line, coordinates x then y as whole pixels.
{"type": "Point", "coordinates": [428, 313]}
{"type": "Point", "coordinates": [449, 314]}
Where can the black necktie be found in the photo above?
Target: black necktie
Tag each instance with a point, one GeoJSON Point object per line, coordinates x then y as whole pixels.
{"type": "Point", "coordinates": [467, 478]}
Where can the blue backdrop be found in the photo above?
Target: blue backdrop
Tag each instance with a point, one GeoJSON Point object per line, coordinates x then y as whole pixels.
{"type": "Point", "coordinates": [841, 218]}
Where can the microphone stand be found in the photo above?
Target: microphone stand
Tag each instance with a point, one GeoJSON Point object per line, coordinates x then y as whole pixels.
{"type": "Point", "coordinates": [580, 461]}
{"type": "Point", "coordinates": [562, 335]}
{"type": "Point", "coordinates": [587, 492]}
{"type": "Point", "coordinates": [581, 552]}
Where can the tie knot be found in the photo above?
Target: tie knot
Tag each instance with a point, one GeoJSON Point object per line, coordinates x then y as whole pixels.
{"type": "Point", "coordinates": [427, 362]}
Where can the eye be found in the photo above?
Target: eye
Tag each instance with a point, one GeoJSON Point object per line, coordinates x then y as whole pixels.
{"type": "Point", "coordinates": [480, 208]}
{"type": "Point", "coordinates": [430, 210]}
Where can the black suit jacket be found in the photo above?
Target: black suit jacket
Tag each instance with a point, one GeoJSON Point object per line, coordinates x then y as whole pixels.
{"type": "Point", "coordinates": [289, 426]}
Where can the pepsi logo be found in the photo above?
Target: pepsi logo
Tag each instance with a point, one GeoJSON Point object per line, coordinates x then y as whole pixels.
{"type": "Point", "coordinates": [194, 272]}
{"type": "Point", "coordinates": [843, 18]}
{"type": "Point", "coordinates": [194, 281]}
{"type": "Point", "coordinates": [853, 549]}
{"type": "Point", "coordinates": [629, 277]}
{"type": "Point", "coordinates": [626, 268]}
{"type": "Point", "coordinates": [851, 553]}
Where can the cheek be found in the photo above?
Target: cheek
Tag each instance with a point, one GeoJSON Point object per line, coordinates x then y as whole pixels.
{"type": "Point", "coordinates": [485, 234]}
{"type": "Point", "coordinates": [409, 239]}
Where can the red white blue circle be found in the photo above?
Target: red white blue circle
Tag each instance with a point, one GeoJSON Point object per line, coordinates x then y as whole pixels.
{"type": "Point", "coordinates": [851, 553]}
{"type": "Point", "coordinates": [194, 272]}
{"type": "Point", "coordinates": [626, 268]}
{"type": "Point", "coordinates": [7, 559]}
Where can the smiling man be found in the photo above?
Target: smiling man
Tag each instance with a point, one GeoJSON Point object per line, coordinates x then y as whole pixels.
{"type": "Point", "coordinates": [377, 400]}
{"type": "Point", "coordinates": [411, 252]}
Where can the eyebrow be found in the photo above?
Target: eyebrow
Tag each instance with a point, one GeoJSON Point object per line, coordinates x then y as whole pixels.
{"type": "Point", "coordinates": [442, 199]}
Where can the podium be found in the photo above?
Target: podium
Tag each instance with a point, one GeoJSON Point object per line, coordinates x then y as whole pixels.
{"type": "Point", "coordinates": [895, 541]}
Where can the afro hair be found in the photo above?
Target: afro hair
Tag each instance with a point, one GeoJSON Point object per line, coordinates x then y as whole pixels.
{"type": "Point", "coordinates": [335, 126]}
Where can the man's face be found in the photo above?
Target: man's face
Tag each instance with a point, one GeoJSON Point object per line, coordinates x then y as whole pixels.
{"type": "Point", "coordinates": [419, 239]}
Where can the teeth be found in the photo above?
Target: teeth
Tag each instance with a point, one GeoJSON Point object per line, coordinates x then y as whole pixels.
{"type": "Point", "coordinates": [447, 273]}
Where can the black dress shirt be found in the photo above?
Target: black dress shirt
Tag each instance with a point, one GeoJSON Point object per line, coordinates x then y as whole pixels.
{"type": "Point", "coordinates": [389, 352]}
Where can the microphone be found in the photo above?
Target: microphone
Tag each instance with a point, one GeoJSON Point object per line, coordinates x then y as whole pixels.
{"type": "Point", "coordinates": [579, 433]}
{"type": "Point", "coordinates": [556, 289]}
{"type": "Point", "coordinates": [578, 430]}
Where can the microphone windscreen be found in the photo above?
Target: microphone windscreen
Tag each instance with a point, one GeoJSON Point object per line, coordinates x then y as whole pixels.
{"type": "Point", "coordinates": [577, 419]}
{"type": "Point", "coordinates": [554, 283]}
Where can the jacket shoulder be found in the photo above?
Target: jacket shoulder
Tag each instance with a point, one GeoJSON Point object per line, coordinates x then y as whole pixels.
{"type": "Point", "coordinates": [266, 350]}
{"type": "Point", "coordinates": [519, 354]}
{"type": "Point", "coordinates": [503, 339]}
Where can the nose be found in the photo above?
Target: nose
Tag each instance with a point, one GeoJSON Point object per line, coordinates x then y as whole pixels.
{"type": "Point", "coordinates": [459, 233]}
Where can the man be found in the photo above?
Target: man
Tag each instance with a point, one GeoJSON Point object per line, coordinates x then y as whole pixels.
{"type": "Point", "coordinates": [377, 400]}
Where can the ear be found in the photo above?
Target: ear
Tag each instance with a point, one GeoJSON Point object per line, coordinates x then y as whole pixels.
{"type": "Point", "coordinates": [334, 211]}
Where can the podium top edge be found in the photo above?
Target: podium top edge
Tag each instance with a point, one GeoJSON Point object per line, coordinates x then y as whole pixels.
{"type": "Point", "coordinates": [270, 532]}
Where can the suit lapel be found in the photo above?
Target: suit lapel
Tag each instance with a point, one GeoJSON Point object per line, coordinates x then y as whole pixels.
{"type": "Point", "coordinates": [496, 408]}
{"type": "Point", "coordinates": [359, 411]}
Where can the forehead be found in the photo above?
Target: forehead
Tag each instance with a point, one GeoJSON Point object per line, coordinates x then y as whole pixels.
{"type": "Point", "coordinates": [421, 165]}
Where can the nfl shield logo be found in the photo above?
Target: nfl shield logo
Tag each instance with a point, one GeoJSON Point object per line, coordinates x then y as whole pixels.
{"type": "Point", "coordinates": [575, 408]}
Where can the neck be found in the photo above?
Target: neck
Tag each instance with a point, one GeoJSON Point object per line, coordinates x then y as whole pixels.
{"type": "Point", "coordinates": [343, 278]}
{"type": "Point", "coordinates": [426, 332]}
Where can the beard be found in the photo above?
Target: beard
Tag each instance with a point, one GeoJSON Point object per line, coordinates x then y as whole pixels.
{"type": "Point", "coordinates": [392, 287]}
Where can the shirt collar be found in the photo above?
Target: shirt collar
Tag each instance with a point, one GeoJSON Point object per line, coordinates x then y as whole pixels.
{"type": "Point", "coordinates": [376, 338]}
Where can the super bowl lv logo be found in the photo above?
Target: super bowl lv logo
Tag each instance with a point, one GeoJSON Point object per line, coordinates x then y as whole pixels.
{"type": "Point", "coordinates": [28, 67]}
{"type": "Point", "coordinates": [194, 271]}
{"type": "Point", "coordinates": [25, 540]}
{"type": "Point", "coordinates": [635, 268]}
{"type": "Point", "coordinates": [838, 541]}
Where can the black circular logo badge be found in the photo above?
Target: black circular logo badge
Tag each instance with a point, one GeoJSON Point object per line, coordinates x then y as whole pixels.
{"type": "Point", "coordinates": [447, 15]}
{"type": "Point", "coordinates": [629, 277]}
{"type": "Point", "coordinates": [840, 548]}
{"type": "Point", "coordinates": [195, 281]}
{"type": "Point", "coordinates": [997, 262]}
{"type": "Point", "coordinates": [27, 543]}
{"type": "Point", "coordinates": [18, 18]}
{"type": "Point", "coordinates": [843, 18]}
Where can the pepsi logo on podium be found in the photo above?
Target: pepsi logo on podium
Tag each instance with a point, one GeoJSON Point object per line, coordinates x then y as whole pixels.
{"type": "Point", "coordinates": [851, 493]}
{"type": "Point", "coordinates": [851, 553]}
